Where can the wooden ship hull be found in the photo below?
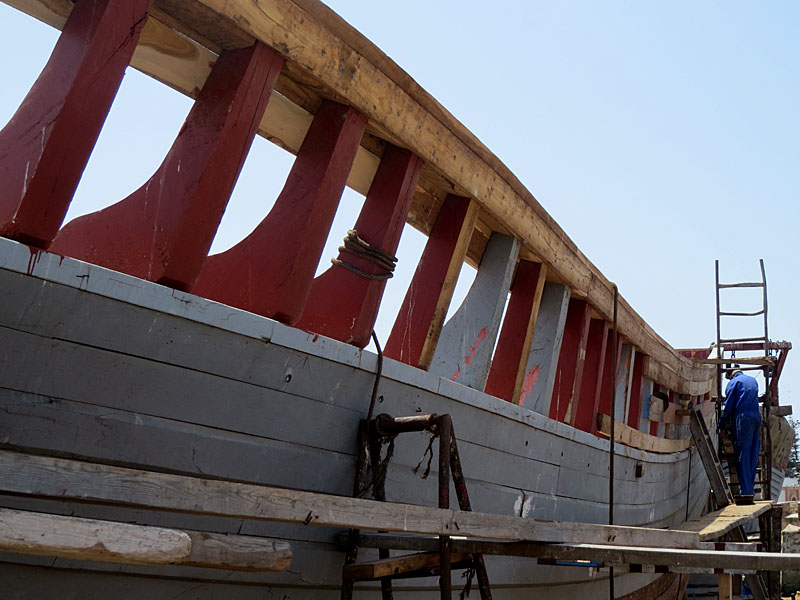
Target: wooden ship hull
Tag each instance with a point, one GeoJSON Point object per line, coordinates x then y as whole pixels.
{"type": "Point", "coordinates": [125, 345]}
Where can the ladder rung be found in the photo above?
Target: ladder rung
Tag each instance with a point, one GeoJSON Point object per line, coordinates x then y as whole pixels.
{"type": "Point", "coordinates": [748, 284]}
{"type": "Point", "coordinates": [742, 314]}
{"type": "Point", "coordinates": [750, 339]}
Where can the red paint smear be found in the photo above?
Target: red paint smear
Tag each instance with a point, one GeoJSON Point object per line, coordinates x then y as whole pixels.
{"type": "Point", "coordinates": [456, 375]}
{"type": "Point", "coordinates": [468, 360]}
{"type": "Point", "coordinates": [33, 259]}
{"type": "Point", "coordinates": [315, 338]}
{"type": "Point", "coordinates": [483, 333]}
{"type": "Point", "coordinates": [527, 384]}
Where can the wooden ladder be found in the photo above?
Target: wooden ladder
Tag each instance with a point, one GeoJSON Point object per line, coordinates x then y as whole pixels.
{"type": "Point", "coordinates": [371, 438]}
{"type": "Point", "coordinates": [721, 495]}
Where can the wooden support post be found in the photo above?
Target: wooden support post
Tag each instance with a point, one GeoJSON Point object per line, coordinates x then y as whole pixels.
{"type": "Point", "coordinates": [163, 230]}
{"type": "Point", "coordinates": [769, 525]}
{"type": "Point", "coordinates": [635, 395]}
{"type": "Point", "coordinates": [343, 304]}
{"type": "Point", "coordinates": [416, 330]}
{"type": "Point", "coordinates": [270, 272]}
{"type": "Point", "coordinates": [513, 346]}
{"type": "Point", "coordinates": [108, 541]}
{"type": "Point", "coordinates": [465, 347]}
{"type": "Point", "coordinates": [589, 396]}
{"type": "Point", "coordinates": [569, 371]}
{"type": "Point", "coordinates": [725, 586]}
{"type": "Point", "coordinates": [623, 381]}
{"type": "Point", "coordinates": [46, 145]}
{"type": "Point", "coordinates": [540, 367]}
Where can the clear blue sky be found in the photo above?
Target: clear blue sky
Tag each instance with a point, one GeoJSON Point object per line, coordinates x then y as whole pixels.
{"type": "Point", "coordinates": [659, 135]}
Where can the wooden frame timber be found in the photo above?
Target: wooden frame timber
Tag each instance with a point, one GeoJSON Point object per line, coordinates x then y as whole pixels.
{"type": "Point", "coordinates": [326, 58]}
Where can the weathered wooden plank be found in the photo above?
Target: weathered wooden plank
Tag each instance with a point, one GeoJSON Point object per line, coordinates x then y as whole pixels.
{"type": "Point", "coordinates": [633, 437]}
{"type": "Point", "coordinates": [540, 370]}
{"type": "Point", "coordinates": [78, 538]}
{"type": "Point", "coordinates": [44, 476]}
{"type": "Point", "coordinates": [88, 539]}
{"type": "Point", "coordinates": [465, 347]}
{"type": "Point", "coordinates": [719, 522]}
{"type": "Point", "coordinates": [237, 552]}
{"type": "Point", "coordinates": [673, 559]}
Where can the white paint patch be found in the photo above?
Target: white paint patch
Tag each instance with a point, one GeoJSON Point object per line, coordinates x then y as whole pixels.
{"type": "Point", "coordinates": [523, 505]}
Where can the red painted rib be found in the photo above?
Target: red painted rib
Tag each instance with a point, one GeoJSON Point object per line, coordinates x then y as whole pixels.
{"type": "Point", "coordinates": [163, 230]}
{"type": "Point", "coordinates": [635, 408]}
{"type": "Point", "coordinates": [270, 272]}
{"type": "Point", "coordinates": [417, 312]}
{"type": "Point", "coordinates": [609, 379]}
{"type": "Point", "coordinates": [508, 361]}
{"type": "Point", "coordinates": [46, 145]}
{"type": "Point", "coordinates": [342, 304]}
{"type": "Point", "coordinates": [589, 395]}
{"type": "Point", "coordinates": [569, 371]}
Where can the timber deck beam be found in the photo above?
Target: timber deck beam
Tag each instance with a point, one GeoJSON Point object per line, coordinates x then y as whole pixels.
{"type": "Point", "coordinates": [327, 58]}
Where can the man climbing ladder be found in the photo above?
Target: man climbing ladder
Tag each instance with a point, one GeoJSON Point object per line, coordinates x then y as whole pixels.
{"type": "Point", "coordinates": [742, 418]}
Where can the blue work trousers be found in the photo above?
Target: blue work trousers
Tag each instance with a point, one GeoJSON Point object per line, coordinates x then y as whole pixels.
{"type": "Point", "coordinates": [746, 446]}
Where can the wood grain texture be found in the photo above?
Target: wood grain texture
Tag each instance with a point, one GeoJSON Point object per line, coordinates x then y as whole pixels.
{"type": "Point", "coordinates": [45, 476]}
{"type": "Point", "coordinates": [635, 438]}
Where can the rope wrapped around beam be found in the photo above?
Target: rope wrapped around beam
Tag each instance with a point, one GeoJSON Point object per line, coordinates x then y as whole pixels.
{"type": "Point", "coordinates": [356, 246]}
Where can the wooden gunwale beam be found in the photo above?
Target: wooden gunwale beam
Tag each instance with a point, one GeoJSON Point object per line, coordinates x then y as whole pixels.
{"type": "Point", "coordinates": [66, 479]}
{"type": "Point", "coordinates": [42, 534]}
{"type": "Point", "coordinates": [313, 38]}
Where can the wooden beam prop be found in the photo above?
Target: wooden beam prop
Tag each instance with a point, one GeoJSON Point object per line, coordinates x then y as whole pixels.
{"type": "Point", "coordinates": [344, 301]}
{"type": "Point", "coordinates": [26, 532]}
{"type": "Point", "coordinates": [507, 372]}
{"type": "Point", "coordinates": [75, 480]}
{"type": "Point", "coordinates": [603, 556]}
{"type": "Point", "coordinates": [465, 347]}
{"type": "Point", "coordinates": [46, 145]}
{"type": "Point", "coordinates": [540, 367]}
{"type": "Point", "coordinates": [398, 565]}
{"type": "Point", "coordinates": [635, 395]}
{"type": "Point", "coordinates": [419, 323]}
{"type": "Point", "coordinates": [163, 231]}
{"type": "Point", "coordinates": [589, 395]}
{"type": "Point", "coordinates": [270, 272]}
{"type": "Point", "coordinates": [569, 371]}
{"type": "Point", "coordinates": [636, 439]}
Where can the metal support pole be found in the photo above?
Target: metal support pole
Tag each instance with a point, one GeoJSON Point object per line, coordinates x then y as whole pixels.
{"type": "Point", "coordinates": [444, 426]}
{"type": "Point", "coordinates": [464, 504]}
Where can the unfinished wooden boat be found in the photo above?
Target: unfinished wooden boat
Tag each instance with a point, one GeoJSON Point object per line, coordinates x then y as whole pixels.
{"type": "Point", "coordinates": [124, 344]}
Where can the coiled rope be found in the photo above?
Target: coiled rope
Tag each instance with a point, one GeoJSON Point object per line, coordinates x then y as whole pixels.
{"type": "Point", "coordinates": [356, 246]}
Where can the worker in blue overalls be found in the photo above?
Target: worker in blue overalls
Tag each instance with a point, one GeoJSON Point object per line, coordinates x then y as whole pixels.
{"type": "Point", "coordinates": [742, 418]}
